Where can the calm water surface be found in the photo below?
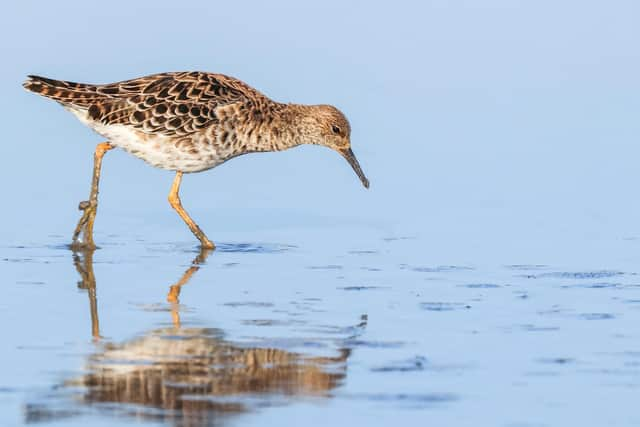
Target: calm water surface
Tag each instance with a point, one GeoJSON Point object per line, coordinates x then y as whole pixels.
{"type": "Point", "coordinates": [329, 332]}
{"type": "Point", "coordinates": [489, 277]}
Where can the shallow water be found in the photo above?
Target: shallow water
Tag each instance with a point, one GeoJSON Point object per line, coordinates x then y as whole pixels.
{"type": "Point", "coordinates": [333, 332]}
{"type": "Point", "coordinates": [489, 276]}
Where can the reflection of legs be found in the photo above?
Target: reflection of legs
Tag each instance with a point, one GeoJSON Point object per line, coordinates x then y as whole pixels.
{"type": "Point", "coordinates": [174, 290]}
{"type": "Point", "coordinates": [174, 200]}
{"type": "Point", "coordinates": [84, 266]}
{"type": "Point", "coordinates": [90, 207]}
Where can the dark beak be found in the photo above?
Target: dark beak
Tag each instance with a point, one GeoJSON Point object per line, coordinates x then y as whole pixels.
{"type": "Point", "coordinates": [351, 158]}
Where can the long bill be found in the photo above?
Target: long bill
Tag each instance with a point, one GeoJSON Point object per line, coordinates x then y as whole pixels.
{"type": "Point", "coordinates": [351, 158]}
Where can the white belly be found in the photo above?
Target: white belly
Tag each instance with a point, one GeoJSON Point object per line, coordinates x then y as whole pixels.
{"type": "Point", "coordinates": [186, 154]}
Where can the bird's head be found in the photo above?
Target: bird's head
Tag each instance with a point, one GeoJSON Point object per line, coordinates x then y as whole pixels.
{"type": "Point", "coordinates": [326, 125]}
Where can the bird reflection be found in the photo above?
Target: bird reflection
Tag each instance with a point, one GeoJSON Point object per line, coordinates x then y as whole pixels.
{"type": "Point", "coordinates": [83, 261]}
{"type": "Point", "coordinates": [193, 376]}
{"type": "Point", "coordinates": [84, 265]}
{"type": "Point", "coordinates": [174, 290]}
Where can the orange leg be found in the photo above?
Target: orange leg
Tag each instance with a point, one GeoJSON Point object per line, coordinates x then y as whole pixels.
{"type": "Point", "coordinates": [90, 207]}
{"type": "Point", "coordinates": [174, 200]}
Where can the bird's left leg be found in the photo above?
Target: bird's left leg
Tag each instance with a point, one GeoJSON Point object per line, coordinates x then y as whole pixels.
{"type": "Point", "coordinates": [174, 201]}
{"type": "Point", "coordinates": [90, 207]}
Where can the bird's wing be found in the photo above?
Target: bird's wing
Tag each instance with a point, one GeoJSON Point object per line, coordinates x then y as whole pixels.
{"type": "Point", "coordinates": [168, 103]}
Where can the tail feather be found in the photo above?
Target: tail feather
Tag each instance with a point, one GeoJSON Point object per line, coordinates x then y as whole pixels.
{"type": "Point", "coordinates": [67, 93]}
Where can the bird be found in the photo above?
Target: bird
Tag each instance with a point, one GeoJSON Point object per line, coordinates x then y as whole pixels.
{"type": "Point", "coordinates": [189, 122]}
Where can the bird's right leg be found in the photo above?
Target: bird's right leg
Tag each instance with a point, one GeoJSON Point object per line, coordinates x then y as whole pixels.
{"type": "Point", "coordinates": [90, 207]}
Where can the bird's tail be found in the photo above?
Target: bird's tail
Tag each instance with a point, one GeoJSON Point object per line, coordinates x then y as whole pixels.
{"type": "Point", "coordinates": [67, 93]}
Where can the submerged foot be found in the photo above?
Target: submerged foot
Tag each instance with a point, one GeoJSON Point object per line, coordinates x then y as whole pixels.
{"type": "Point", "coordinates": [207, 245]}
{"type": "Point", "coordinates": [85, 227]}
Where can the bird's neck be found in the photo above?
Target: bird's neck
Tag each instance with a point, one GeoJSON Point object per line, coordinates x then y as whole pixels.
{"type": "Point", "coordinates": [276, 127]}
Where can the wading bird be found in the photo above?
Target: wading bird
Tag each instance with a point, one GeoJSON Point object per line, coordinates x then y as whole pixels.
{"type": "Point", "coordinates": [189, 122]}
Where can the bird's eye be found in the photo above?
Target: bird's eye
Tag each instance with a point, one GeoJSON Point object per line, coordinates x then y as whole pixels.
{"type": "Point", "coordinates": [335, 129]}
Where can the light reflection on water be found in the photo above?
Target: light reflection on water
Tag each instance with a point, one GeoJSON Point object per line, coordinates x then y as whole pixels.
{"type": "Point", "coordinates": [166, 334]}
{"type": "Point", "coordinates": [189, 375]}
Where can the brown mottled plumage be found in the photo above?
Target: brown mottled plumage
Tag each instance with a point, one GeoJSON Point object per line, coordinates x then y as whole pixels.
{"type": "Point", "coordinates": [190, 122]}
